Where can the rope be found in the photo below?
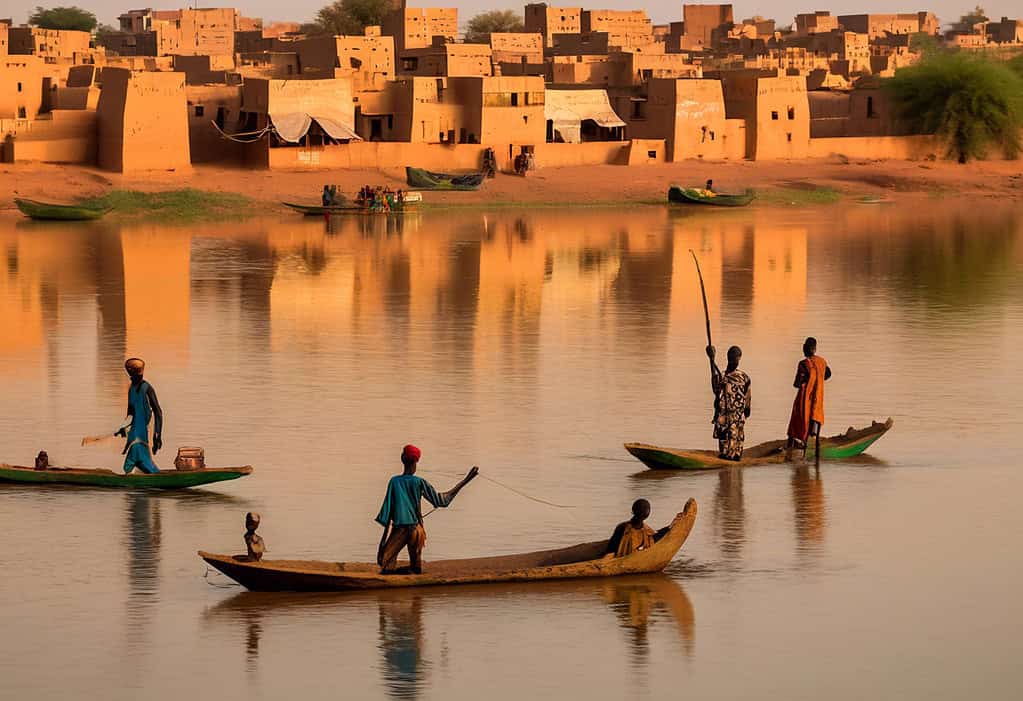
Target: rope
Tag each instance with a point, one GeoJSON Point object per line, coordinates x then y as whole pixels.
{"type": "Point", "coordinates": [231, 137]}
{"type": "Point", "coordinates": [523, 494]}
{"type": "Point", "coordinates": [206, 576]}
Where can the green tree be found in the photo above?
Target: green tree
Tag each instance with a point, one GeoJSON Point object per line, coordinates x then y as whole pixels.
{"type": "Point", "coordinates": [352, 16]}
{"type": "Point", "coordinates": [922, 42]}
{"type": "Point", "coordinates": [974, 16]}
{"type": "Point", "coordinates": [484, 24]}
{"type": "Point", "coordinates": [63, 18]}
{"type": "Point", "coordinates": [970, 102]}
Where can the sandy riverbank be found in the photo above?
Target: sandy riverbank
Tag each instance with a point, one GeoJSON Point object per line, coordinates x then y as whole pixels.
{"type": "Point", "coordinates": [576, 185]}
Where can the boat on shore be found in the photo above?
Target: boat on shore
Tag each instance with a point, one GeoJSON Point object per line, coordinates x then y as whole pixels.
{"type": "Point", "coordinates": [59, 212]}
{"type": "Point", "coordinates": [694, 195]}
{"type": "Point", "coordinates": [88, 477]}
{"type": "Point", "coordinates": [850, 444]}
{"type": "Point", "coordinates": [427, 180]}
{"type": "Point", "coordinates": [574, 562]}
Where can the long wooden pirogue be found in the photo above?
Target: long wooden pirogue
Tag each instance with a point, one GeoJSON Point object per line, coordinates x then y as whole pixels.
{"type": "Point", "coordinates": [166, 479]}
{"type": "Point", "coordinates": [845, 445]}
{"type": "Point", "coordinates": [577, 561]}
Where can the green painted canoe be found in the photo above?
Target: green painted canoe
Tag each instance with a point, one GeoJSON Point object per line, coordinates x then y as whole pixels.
{"type": "Point", "coordinates": [167, 479]}
{"type": "Point", "coordinates": [59, 212]}
{"type": "Point", "coordinates": [693, 195]}
{"type": "Point", "coordinates": [846, 445]}
{"type": "Point", "coordinates": [427, 180]}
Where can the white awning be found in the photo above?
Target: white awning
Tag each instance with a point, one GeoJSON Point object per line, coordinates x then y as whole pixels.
{"type": "Point", "coordinates": [292, 126]}
{"type": "Point", "coordinates": [583, 104]}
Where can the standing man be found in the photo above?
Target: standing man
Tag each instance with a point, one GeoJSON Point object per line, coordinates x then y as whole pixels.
{"type": "Point", "coordinates": [401, 516]}
{"type": "Point", "coordinates": [731, 404]}
{"type": "Point", "coordinates": [808, 407]}
{"type": "Point", "coordinates": [142, 406]}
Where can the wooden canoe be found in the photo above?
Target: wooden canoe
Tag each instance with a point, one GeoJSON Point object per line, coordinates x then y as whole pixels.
{"type": "Point", "coordinates": [845, 445]}
{"type": "Point", "coordinates": [574, 562]}
{"type": "Point", "coordinates": [166, 479]}
{"type": "Point", "coordinates": [59, 212]}
{"type": "Point", "coordinates": [692, 195]}
{"type": "Point", "coordinates": [312, 210]}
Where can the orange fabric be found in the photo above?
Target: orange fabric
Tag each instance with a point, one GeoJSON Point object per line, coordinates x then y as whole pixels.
{"type": "Point", "coordinates": [413, 537]}
{"type": "Point", "coordinates": [809, 403]}
{"type": "Point", "coordinates": [634, 539]}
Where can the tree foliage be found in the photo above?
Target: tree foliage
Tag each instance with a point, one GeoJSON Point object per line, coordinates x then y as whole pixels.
{"type": "Point", "coordinates": [974, 16]}
{"type": "Point", "coordinates": [352, 16]}
{"type": "Point", "coordinates": [484, 24]}
{"type": "Point", "coordinates": [971, 102]}
{"type": "Point", "coordinates": [63, 18]}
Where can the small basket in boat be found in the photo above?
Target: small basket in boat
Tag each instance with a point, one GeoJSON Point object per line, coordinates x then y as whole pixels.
{"type": "Point", "coordinates": [189, 459]}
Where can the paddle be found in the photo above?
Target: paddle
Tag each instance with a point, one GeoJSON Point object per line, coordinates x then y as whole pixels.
{"type": "Point", "coordinates": [89, 440]}
{"type": "Point", "coordinates": [703, 291]}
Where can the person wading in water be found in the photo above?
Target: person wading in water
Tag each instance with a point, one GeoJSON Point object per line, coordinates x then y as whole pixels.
{"type": "Point", "coordinates": [731, 403]}
{"type": "Point", "coordinates": [808, 407]}
{"type": "Point", "coordinates": [401, 516]}
{"type": "Point", "coordinates": [142, 406]}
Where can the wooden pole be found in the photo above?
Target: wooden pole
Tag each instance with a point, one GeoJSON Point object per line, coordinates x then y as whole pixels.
{"type": "Point", "coordinates": [703, 291]}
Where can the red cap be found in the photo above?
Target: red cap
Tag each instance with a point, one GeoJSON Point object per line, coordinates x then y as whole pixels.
{"type": "Point", "coordinates": [410, 453]}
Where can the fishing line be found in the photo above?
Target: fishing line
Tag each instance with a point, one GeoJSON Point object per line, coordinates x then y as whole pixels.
{"type": "Point", "coordinates": [218, 585]}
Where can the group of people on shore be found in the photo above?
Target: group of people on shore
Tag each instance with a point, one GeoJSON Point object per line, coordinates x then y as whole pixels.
{"type": "Point", "coordinates": [733, 397]}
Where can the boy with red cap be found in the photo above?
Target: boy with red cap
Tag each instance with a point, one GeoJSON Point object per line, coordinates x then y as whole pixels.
{"type": "Point", "coordinates": [400, 514]}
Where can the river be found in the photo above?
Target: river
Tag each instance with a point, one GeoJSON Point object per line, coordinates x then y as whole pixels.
{"type": "Point", "coordinates": [532, 343]}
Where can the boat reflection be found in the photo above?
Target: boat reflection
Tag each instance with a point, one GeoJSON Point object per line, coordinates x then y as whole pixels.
{"type": "Point", "coordinates": [408, 653]}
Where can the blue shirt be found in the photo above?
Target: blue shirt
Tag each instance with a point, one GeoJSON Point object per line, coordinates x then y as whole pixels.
{"type": "Point", "coordinates": [401, 503]}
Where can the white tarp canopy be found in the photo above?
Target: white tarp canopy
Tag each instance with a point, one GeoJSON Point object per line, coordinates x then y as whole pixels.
{"type": "Point", "coordinates": [569, 108]}
{"type": "Point", "coordinates": [292, 126]}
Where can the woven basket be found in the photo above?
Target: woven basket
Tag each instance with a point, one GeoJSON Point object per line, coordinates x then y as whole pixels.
{"type": "Point", "coordinates": [190, 459]}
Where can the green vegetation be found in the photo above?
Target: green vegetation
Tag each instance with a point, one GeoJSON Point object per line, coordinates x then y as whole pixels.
{"type": "Point", "coordinates": [485, 23]}
{"type": "Point", "coordinates": [1016, 64]}
{"type": "Point", "coordinates": [800, 196]}
{"type": "Point", "coordinates": [175, 205]}
{"type": "Point", "coordinates": [970, 102]}
{"type": "Point", "coordinates": [63, 18]}
{"type": "Point", "coordinates": [351, 17]}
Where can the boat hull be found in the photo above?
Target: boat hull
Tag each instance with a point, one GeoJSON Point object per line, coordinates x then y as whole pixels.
{"type": "Point", "coordinates": [843, 446]}
{"type": "Point", "coordinates": [689, 195]}
{"type": "Point", "coordinates": [167, 479]}
{"type": "Point", "coordinates": [426, 180]}
{"type": "Point", "coordinates": [318, 210]}
{"type": "Point", "coordinates": [58, 212]}
{"type": "Point", "coordinates": [575, 562]}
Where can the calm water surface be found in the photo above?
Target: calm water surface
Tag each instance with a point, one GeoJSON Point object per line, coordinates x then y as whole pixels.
{"type": "Point", "coordinates": [532, 343]}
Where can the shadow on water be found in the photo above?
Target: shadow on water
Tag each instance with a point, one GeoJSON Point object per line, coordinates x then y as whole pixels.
{"type": "Point", "coordinates": [638, 604]}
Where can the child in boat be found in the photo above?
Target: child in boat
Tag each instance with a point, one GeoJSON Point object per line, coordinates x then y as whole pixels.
{"type": "Point", "coordinates": [634, 535]}
{"type": "Point", "coordinates": [253, 541]}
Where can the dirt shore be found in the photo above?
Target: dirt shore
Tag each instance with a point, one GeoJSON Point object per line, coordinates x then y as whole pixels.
{"type": "Point", "coordinates": [781, 182]}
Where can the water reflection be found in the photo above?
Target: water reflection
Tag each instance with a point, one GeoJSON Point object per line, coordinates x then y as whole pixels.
{"type": "Point", "coordinates": [730, 513]}
{"type": "Point", "coordinates": [405, 640]}
{"type": "Point", "coordinates": [810, 509]}
{"type": "Point", "coordinates": [144, 535]}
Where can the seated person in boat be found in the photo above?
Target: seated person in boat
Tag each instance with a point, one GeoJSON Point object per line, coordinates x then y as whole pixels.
{"type": "Point", "coordinates": [142, 406]}
{"type": "Point", "coordinates": [327, 198]}
{"type": "Point", "coordinates": [634, 535]}
{"type": "Point", "coordinates": [808, 407]}
{"type": "Point", "coordinates": [731, 404]}
{"type": "Point", "coordinates": [401, 514]}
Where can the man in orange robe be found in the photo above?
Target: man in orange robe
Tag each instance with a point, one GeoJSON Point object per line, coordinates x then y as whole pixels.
{"type": "Point", "coordinates": [808, 407]}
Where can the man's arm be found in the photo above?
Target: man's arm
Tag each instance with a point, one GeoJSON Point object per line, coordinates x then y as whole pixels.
{"type": "Point", "coordinates": [802, 376]}
{"type": "Point", "coordinates": [444, 498]}
{"type": "Point", "coordinates": [157, 419]}
{"type": "Point", "coordinates": [661, 533]}
{"type": "Point", "coordinates": [749, 398]}
{"type": "Point", "coordinates": [129, 414]}
{"type": "Point", "coordinates": [827, 372]}
{"type": "Point", "coordinates": [715, 371]}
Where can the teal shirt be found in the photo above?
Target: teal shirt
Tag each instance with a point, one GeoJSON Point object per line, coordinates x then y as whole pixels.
{"type": "Point", "coordinates": [401, 503]}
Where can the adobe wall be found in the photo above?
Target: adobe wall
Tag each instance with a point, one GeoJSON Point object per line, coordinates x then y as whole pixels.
{"type": "Point", "coordinates": [701, 21]}
{"type": "Point", "coordinates": [213, 103]}
{"type": "Point", "coordinates": [142, 121]}
{"type": "Point", "coordinates": [63, 136]}
{"type": "Point", "coordinates": [513, 110]}
{"type": "Point", "coordinates": [690, 116]}
{"type": "Point", "coordinates": [646, 152]}
{"type": "Point", "coordinates": [415, 28]}
{"type": "Point", "coordinates": [516, 46]}
{"type": "Point", "coordinates": [875, 147]}
{"type": "Point", "coordinates": [4, 40]}
{"type": "Point", "coordinates": [548, 21]}
{"type": "Point", "coordinates": [21, 87]}
{"type": "Point", "coordinates": [47, 43]}
{"type": "Point", "coordinates": [588, 153]}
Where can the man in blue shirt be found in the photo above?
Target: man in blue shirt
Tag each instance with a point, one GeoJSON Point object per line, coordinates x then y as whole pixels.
{"type": "Point", "coordinates": [400, 514]}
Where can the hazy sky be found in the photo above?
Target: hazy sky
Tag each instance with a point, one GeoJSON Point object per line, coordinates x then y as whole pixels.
{"type": "Point", "coordinates": [661, 11]}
